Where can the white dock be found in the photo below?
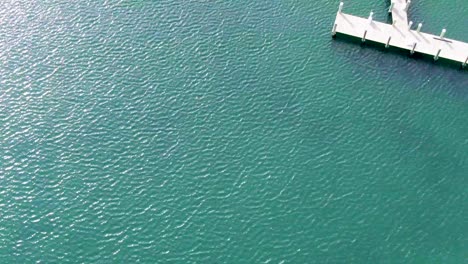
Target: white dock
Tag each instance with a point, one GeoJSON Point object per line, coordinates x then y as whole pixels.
{"type": "Point", "coordinates": [400, 34]}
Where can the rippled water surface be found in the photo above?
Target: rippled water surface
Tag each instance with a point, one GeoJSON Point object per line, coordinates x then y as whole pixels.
{"type": "Point", "coordinates": [177, 131]}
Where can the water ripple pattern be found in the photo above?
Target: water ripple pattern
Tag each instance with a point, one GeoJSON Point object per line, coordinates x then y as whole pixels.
{"type": "Point", "coordinates": [178, 131]}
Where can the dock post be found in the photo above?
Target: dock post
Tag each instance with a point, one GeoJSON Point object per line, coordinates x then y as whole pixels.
{"type": "Point", "coordinates": [436, 57]}
{"type": "Point", "coordinates": [390, 9]}
{"type": "Point", "coordinates": [414, 47]}
{"type": "Point", "coordinates": [410, 24]}
{"type": "Point", "coordinates": [340, 8]}
{"type": "Point", "coordinates": [442, 34]}
{"type": "Point", "coordinates": [419, 27]}
{"type": "Point", "coordinates": [388, 42]}
{"type": "Point", "coordinates": [364, 36]}
{"type": "Point", "coordinates": [334, 30]}
{"type": "Point", "coordinates": [466, 62]}
{"type": "Point", "coordinates": [393, 22]}
{"type": "Point", "coordinates": [407, 5]}
{"type": "Point", "coordinates": [371, 17]}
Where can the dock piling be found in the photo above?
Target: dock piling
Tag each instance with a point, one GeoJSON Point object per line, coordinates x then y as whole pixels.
{"type": "Point", "coordinates": [388, 42]}
{"type": "Point", "coordinates": [410, 24]}
{"type": "Point", "coordinates": [436, 57]}
{"type": "Point", "coordinates": [419, 27]}
{"type": "Point", "coordinates": [340, 8]}
{"type": "Point", "coordinates": [466, 62]}
{"type": "Point", "coordinates": [334, 30]}
{"type": "Point", "coordinates": [414, 47]}
{"type": "Point", "coordinates": [407, 5]}
{"type": "Point", "coordinates": [390, 9]}
{"type": "Point", "coordinates": [442, 34]}
{"type": "Point", "coordinates": [371, 17]}
{"type": "Point", "coordinates": [364, 36]}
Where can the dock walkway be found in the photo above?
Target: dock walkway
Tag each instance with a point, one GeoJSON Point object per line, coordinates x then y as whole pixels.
{"type": "Point", "coordinates": [399, 34]}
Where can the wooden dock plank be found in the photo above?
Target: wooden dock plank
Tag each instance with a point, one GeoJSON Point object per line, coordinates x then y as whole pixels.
{"type": "Point", "coordinates": [400, 13]}
{"type": "Point", "coordinates": [401, 36]}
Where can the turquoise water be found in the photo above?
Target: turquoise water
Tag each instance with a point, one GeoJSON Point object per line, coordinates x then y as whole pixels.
{"type": "Point", "coordinates": [227, 132]}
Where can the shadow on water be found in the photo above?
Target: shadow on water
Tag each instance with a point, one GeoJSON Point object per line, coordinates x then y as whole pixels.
{"type": "Point", "coordinates": [401, 63]}
{"type": "Point", "coordinates": [380, 47]}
